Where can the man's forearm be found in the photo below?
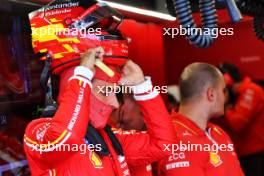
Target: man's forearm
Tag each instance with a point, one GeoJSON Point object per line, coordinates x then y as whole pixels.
{"type": "Point", "coordinates": [73, 112]}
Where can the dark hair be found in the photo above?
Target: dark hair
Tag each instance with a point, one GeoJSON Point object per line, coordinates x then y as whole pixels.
{"type": "Point", "coordinates": [171, 99]}
{"type": "Point", "coordinates": [232, 70]}
{"type": "Point", "coordinates": [195, 77]}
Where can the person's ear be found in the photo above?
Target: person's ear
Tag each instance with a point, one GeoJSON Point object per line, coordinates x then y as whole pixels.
{"type": "Point", "coordinates": [210, 94]}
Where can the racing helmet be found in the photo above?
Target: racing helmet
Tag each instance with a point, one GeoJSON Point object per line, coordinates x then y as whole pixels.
{"type": "Point", "coordinates": [64, 29]}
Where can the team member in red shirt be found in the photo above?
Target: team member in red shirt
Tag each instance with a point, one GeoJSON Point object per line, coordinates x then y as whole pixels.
{"type": "Point", "coordinates": [244, 119]}
{"type": "Point", "coordinates": [80, 102]}
{"type": "Point", "coordinates": [204, 148]}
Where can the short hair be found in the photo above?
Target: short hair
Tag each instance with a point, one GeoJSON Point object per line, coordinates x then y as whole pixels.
{"type": "Point", "coordinates": [195, 77]}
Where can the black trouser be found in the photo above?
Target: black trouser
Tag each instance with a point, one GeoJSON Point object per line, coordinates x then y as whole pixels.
{"type": "Point", "coordinates": [253, 165]}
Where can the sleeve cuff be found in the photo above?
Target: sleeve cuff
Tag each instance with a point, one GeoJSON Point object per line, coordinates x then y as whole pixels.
{"type": "Point", "coordinates": [144, 87]}
{"type": "Point", "coordinates": [84, 75]}
{"type": "Point", "coordinates": [83, 71]}
{"type": "Point", "coordinates": [145, 91]}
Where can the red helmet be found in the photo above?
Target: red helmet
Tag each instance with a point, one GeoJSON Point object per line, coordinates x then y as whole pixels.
{"type": "Point", "coordinates": [64, 29]}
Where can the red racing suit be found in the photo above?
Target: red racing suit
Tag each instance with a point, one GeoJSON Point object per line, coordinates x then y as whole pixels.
{"type": "Point", "coordinates": [142, 170]}
{"type": "Point", "coordinates": [145, 170]}
{"type": "Point", "coordinates": [246, 119]}
{"type": "Point", "coordinates": [197, 159]}
{"type": "Point", "coordinates": [45, 137]}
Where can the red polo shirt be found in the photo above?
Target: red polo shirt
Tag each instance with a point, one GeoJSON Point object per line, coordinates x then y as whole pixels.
{"type": "Point", "coordinates": [203, 159]}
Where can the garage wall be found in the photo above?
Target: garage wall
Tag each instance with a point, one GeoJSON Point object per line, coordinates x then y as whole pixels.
{"type": "Point", "coordinates": [146, 48]}
{"type": "Point", "coordinates": [243, 49]}
{"type": "Point", "coordinates": [165, 62]}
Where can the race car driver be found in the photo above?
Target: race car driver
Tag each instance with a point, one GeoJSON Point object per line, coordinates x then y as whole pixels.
{"type": "Point", "coordinates": [244, 118]}
{"type": "Point", "coordinates": [80, 102]}
{"type": "Point", "coordinates": [204, 148]}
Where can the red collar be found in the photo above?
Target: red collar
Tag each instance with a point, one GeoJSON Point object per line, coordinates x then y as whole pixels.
{"type": "Point", "coordinates": [188, 124]}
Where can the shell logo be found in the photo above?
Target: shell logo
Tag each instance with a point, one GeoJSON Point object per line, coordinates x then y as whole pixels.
{"type": "Point", "coordinates": [215, 159]}
{"type": "Point", "coordinates": [96, 161]}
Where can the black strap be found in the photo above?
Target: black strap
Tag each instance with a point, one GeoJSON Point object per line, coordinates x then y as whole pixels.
{"type": "Point", "coordinates": [115, 142]}
{"type": "Point", "coordinates": [93, 137]}
{"type": "Point", "coordinates": [45, 74]}
{"type": "Point", "coordinates": [49, 110]}
{"type": "Point", "coordinates": [45, 82]}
